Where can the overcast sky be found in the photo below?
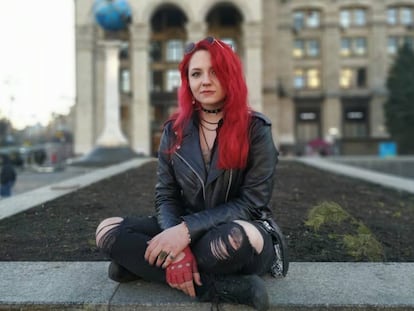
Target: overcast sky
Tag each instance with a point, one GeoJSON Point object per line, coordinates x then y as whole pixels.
{"type": "Point", "coordinates": [37, 67]}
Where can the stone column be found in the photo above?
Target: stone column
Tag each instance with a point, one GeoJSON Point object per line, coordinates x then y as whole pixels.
{"type": "Point", "coordinates": [285, 114]}
{"type": "Point", "coordinates": [378, 129]}
{"type": "Point", "coordinates": [377, 43]}
{"type": "Point", "coordinates": [377, 70]}
{"type": "Point", "coordinates": [253, 62]}
{"type": "Point", "coordinates": [85, 79]}
{"type": "Point", "coordinates": [331, 118]}
{"type": "Point", "coordinates": [331, 108]}
{"type": "Point", "coordinates": [286, 120]}
{"type": "Point", "coordinates": [99, 88]}
{"type": "Point", "coordinates": [111, 135]}
{"type": "Point", "coordinates": [270, 68]}
{"type": "Point", "coordinates": [140, 76]}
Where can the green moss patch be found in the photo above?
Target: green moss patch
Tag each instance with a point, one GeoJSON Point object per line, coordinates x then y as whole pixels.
{"type": "Point", "coordinates": [328, 220]}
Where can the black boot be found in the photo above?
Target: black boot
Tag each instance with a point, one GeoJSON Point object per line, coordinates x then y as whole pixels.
{"type": "Point", "coordinates": [119, 274]}
{"type": "Point", "coordinates": [241, 289]}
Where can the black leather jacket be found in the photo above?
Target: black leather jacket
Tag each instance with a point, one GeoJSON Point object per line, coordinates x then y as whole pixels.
{"type": "Point", "coordinates": [186, 191]}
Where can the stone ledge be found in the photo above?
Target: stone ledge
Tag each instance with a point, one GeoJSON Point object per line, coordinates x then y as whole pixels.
{"type": "Point", "coordinates": [386, 180]}
{"type": "Point", "coordinates": [308, 286]}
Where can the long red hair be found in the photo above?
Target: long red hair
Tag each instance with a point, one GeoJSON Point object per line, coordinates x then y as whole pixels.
{"type": "Point", "coordinates": [233, 140]}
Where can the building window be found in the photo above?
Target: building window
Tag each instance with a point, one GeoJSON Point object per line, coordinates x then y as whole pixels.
{"type": "Point", "coordinates": [299, 79]}
{"type": "Point", "coordinates": [401, 15]}
{"type": "Point", "coordinates": [124, 50]}
{"type": "Point", "coordinates": [156, 51]}
{"type": "Point", "coordinates": [313, 19]}
{"type": "Point", "coordinates": [298, 48]}
{"type": "Point", "coordinates": [173, 80]}
{"type": "Point", "coordinates": [360, 18]}
{"type": "Point", "coordinates": [298, 20]}
{"type": "Point", "coordinates": [353, 17]}
{"type": "Point", "coordinates": [406, 16]}
{"type": "Point", "coordinates": [125, 81]}
{"type": "Point", "coordinates": [313, 79]}
{"type": "Point", "coordinates": [345, 18]}
{"type": "Point", "coordinates": [306, 19]}
{"type": "Point", "coordinates": [175, 50]}
{"type": "Point", "coordinates": [230, 42]}
{"type": "Point", "coordinates": [353, 46]}
{"type": "Point", "coordinates": [307, 78]}
{"type": "Point", "coordinates": [355, 122]}
{"type": "Point", "coordinates": [392, 17]}
{"type": "Point", "coordinates": [360, 46]}
{"type": "Point", "coordinates": [312, 48]}
{"type": "Point", "coordinates": [306, 48]}
{"type": "Point", "coordinates": [346, 49]}
{"type": "Point", "coordinates": [345, 78]}
{"type": "Point", "coordinates": [157, 81]}
{"type": "Point", "coordinates": [353, 78]}
{"type": "Point", "coordinates": [392, 45]}
{"type": "Point", "coordinates": [395, 42]}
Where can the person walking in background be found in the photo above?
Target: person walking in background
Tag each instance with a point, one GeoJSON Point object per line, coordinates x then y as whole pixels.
{"type": "Point", "coordinates": [213, 235]}
{"type": "Point", "coordinates": [8, 177]}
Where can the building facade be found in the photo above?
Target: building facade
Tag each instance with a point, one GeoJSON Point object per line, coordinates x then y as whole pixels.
{"type": "Point", "coordinates": [317, 69]}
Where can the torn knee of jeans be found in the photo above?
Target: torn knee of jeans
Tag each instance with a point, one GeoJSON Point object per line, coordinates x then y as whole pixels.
{"type": "Point", "coordinates": [108, 237]}
{"type": "Point", "coordinates": [221, 249]}
{"type": "Point", "coordinates": [236, 238]}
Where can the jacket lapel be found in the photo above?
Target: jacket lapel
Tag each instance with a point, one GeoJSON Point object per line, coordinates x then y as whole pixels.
{"type": "Point", "coordinates": [214, 171]}
{"type": "Point", "coordinates": [190, 150]}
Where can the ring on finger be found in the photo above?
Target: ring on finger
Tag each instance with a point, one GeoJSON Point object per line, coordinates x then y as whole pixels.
{"type": "Point", "coordinates": [172, 257]}
{"type": "Point", "coordinates": [162, 255]}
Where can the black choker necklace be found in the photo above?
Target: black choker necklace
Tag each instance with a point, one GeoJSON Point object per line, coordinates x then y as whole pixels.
{"type": "Point", "coordinates": [211, 111]}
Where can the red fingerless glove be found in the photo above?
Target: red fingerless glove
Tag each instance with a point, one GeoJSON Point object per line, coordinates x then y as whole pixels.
{"type": "Point", "coordinates": [182, 271]}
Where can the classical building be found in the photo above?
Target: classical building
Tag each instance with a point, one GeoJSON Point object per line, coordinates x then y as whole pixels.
{"type": "Point", "coordinates": [316, 68]}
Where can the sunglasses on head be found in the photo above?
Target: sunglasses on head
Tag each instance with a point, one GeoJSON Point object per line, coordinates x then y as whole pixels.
{"type": "Point", "coordinates": [191, 46]}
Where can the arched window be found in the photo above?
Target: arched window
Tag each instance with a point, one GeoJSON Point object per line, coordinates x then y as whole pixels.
{"type": "Point", "coordinates": [175, 50]}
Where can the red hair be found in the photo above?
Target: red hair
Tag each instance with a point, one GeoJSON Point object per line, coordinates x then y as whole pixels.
{"type": "Point", "coordinates": [233, 140]}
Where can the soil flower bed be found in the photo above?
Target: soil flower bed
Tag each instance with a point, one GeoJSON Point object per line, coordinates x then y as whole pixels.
{"type": "Point", "coordinates": [325, 217]}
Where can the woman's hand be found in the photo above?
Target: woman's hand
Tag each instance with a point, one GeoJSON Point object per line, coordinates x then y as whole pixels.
{"type": "Point", "coordinates": [183, 272]}
{"type": "Point", "coordinates": [164, 247]}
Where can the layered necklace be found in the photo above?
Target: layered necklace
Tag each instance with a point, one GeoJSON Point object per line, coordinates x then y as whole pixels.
{"type": "Point", "coordinates": [211, 127]}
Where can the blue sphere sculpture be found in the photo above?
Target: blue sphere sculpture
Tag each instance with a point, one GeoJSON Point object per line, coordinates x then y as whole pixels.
{"type": "Point", "coordinates": [112, 15]}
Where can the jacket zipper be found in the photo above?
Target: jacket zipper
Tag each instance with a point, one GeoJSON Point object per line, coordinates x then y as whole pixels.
{"type": "Point", "coordinates": [229, 185]}
{"type": "Point", "coordinates": [195, 172]}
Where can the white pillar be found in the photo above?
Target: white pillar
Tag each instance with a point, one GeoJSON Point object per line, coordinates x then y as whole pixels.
{"type": "Point", "coordinates": [140, 76]}
{"type": "Point", "coordinates": [85, 76]}
{"type": "Point", "coordinates": [111, 135]}
{"type": "Point", "coordinates": [253, 63]}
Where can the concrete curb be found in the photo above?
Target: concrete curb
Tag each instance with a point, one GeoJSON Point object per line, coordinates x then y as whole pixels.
{"type": "Point", "coordinates": [308, 286]}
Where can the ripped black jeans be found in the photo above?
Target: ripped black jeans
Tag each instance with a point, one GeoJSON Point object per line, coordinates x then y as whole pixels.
{"type": "Point", "coordinates": [126, 243]}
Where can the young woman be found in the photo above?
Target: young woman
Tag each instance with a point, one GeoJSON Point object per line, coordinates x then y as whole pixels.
{"type": "Point", "coordinates": [212, 236]}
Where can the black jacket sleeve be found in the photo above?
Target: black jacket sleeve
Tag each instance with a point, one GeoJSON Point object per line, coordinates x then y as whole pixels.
{"type": "Point", "coordinates": [167, 191]}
